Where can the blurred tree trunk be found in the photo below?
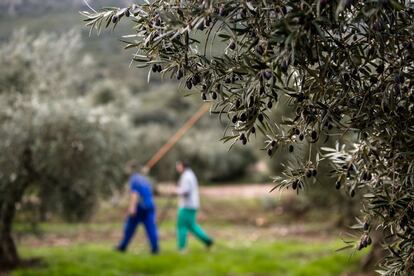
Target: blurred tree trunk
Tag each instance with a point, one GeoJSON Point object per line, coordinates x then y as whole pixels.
{"type": "Point", "coordinates": [10, 195]}
{"type": "Point", "coordinates": [8, 252]}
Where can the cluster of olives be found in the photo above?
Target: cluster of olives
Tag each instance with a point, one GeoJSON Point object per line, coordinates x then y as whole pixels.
{"type": "Point", "coordinates": [311, 173]}
{"type": "Point", "coordinates": [364, 242]}
{"type": "Point", "coordinates": [297, 184]}
{"type": "Point", "coordinates": [156, 68]}
{"type": "Point", "coordinates": [127, 12]}
{"type": "Point", "coordinates": [243, 138]}
{"type": "Point", "coordinates": [301, 136]}
{"type": "Point", "coordinates": [120, 14]}
{"type": "Point", "coordinates": [273, 147]}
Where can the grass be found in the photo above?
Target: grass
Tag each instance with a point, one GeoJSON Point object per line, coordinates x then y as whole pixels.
{"type": "Point", "coordinates": [285, 245]}
{"type": "Point", "coordinates": [227, 258]}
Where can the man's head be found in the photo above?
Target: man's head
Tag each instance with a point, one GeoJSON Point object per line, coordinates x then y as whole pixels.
{"type": "Point", "coordinates": [132, 166]}
{"type": "Point", "coordinates": [181, 166]}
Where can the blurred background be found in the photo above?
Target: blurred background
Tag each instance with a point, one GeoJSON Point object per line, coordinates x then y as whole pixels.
{"type": "Point", "coordinates": [73, 112]}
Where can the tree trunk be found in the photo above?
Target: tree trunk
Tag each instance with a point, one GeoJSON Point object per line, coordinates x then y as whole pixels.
{"type": "Point", "coordinates": [8, 253]}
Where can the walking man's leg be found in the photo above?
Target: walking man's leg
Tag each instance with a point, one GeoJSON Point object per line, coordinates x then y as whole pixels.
{"type": "Point", "coordinates": [151, 230]}
{"type": "Point", "coordinates": [181, 229]}
{"type": "Point", "coordinates": [196, 228]}
{"type": "Point", "coordinates": [129, 230]}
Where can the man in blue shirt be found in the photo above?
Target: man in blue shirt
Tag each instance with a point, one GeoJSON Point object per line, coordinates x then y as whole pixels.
{"type": "Point", "coordinates": [141, 210]}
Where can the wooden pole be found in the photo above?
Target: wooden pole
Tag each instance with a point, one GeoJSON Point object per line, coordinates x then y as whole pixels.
{"type": "Point", "coordinates": [176, 137]}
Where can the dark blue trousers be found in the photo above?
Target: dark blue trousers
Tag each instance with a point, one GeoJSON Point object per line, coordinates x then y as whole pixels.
{"type": "Point", "coordinates": [146, 217]}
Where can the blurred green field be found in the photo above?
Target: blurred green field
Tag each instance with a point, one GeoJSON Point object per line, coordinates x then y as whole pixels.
{"type": "Point", "coordinates": [229, 257]}
{"type": "Point", "coordinates": [254, 235]}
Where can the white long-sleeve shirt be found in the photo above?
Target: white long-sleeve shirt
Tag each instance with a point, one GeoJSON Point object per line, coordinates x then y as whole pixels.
{"type": "Point", "coordinates": [188, 190]}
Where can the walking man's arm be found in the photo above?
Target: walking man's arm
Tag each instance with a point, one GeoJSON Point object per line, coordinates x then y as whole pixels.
{"type": "Point", "coordinates": [132, 208]}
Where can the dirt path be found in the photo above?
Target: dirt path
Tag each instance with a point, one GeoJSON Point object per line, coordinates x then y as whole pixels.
{"type": "Point", "coordinates": [244, 191]}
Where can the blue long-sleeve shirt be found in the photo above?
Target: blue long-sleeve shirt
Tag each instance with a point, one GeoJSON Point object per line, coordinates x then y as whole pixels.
{"type": "Point", "coordinates": [142, 187]}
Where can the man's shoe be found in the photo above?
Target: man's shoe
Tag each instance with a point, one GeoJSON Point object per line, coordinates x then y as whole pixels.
{"type": "Point", "coordinates": [209, 244]}
{"type": "Point", "coordinates": [117, 248]}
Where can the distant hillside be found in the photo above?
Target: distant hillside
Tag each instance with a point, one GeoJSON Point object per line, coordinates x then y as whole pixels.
{"type": "Point", "coordinates": [37, 7]}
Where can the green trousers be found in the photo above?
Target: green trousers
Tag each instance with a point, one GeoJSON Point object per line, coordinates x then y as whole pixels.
{"type": "Point", "coordinates": [186, 221]}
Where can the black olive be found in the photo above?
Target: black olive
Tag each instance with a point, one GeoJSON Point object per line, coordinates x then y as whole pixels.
{"type": "Point", "coordinates": [295, 184]}
{"type": "Point", "coordinates": [189, 84]}
{"type": "Point", "coordinates": [371, 51]}
{"type": "Point", "coordinates": [366, 226]}
{"type": "Point", "coordinates": [260, 117]}
{"type": "Point", "coordinates": [237, 104]}
{"type": "Point", "coordinates": [291, 148]}
{"type": "Point", "coordinates": [207, 21]}
{"type": "Point", "coordinates": [301, 136]}
{"type": "Point", "coordinates": [196, 79]}
{"type": "Point", "coordinates": [154, 68]}
{"type": "Point", "coordinates": [127, 13]}
{"type": "Point", "coordinates": [380, 68]}
{"type": "Point", "coordinates": [297, 131]}
{"type": "Point", "coordinates": [214, 95]}
{"type": "Point", "coordinates": [232, 45]}
{"type": "Point", "coordinates": [243, 139]}
{"type": "Point", "coordinates": [234, 119]}
{"type": "Point", "coordinates": [222, 12]}
{"type": "Point", "coordinates": [267, 74]}
{"type": "Point", "coordinates": [243, 14]}
{"type": "Point", "coordinates": [284, 67]}
{"type": "Point", "coordinates": [273, 143]}
{"type": "Point", "coordinates": [115, 19]}
{"type": "Point", "coordinates": [346, 77]}
{"type": "Point", "coordinates": [364, 176]}
{"type": "Point", "coordinates": [338, 185]}
{"type": "Point", "coordinates": [243, 117]}
{"type": "Point", "coordinates": [253, 130]}
{"type": "Point", "coordinates": [269, 151]}
{"type": "Point", "coordinates": [314, 135]}
{"type": "Point", "coordinates": [301, 97]}
{"type": "Point", "coordinates": [204, 96]}
{"type": "Point", "coordinates": [314, 172]}
{"type": "Point", "coordinates": [158, 22]}
{"type": "Point", "coordinates": [269, 104]}
{"type": "Point", "coordinates": [159, 68]}
{"type": "Point", "coordinates": [179, 74]}
{"type": "Point", "coordinates": [259, 50]}
{"type": "Point", "coordinates": [399, 78]}
{"type": "Point", "coordinates": [352, 193]}
{"type": "Point", "coordinates": [308, 173]}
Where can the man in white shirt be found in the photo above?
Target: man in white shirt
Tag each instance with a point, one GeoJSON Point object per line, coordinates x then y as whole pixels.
{"type": "Point", "coordinates": [189, 203]}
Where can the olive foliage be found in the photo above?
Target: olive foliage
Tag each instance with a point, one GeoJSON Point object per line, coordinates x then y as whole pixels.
{"type": "Point", "coordinates": [345, 66]}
